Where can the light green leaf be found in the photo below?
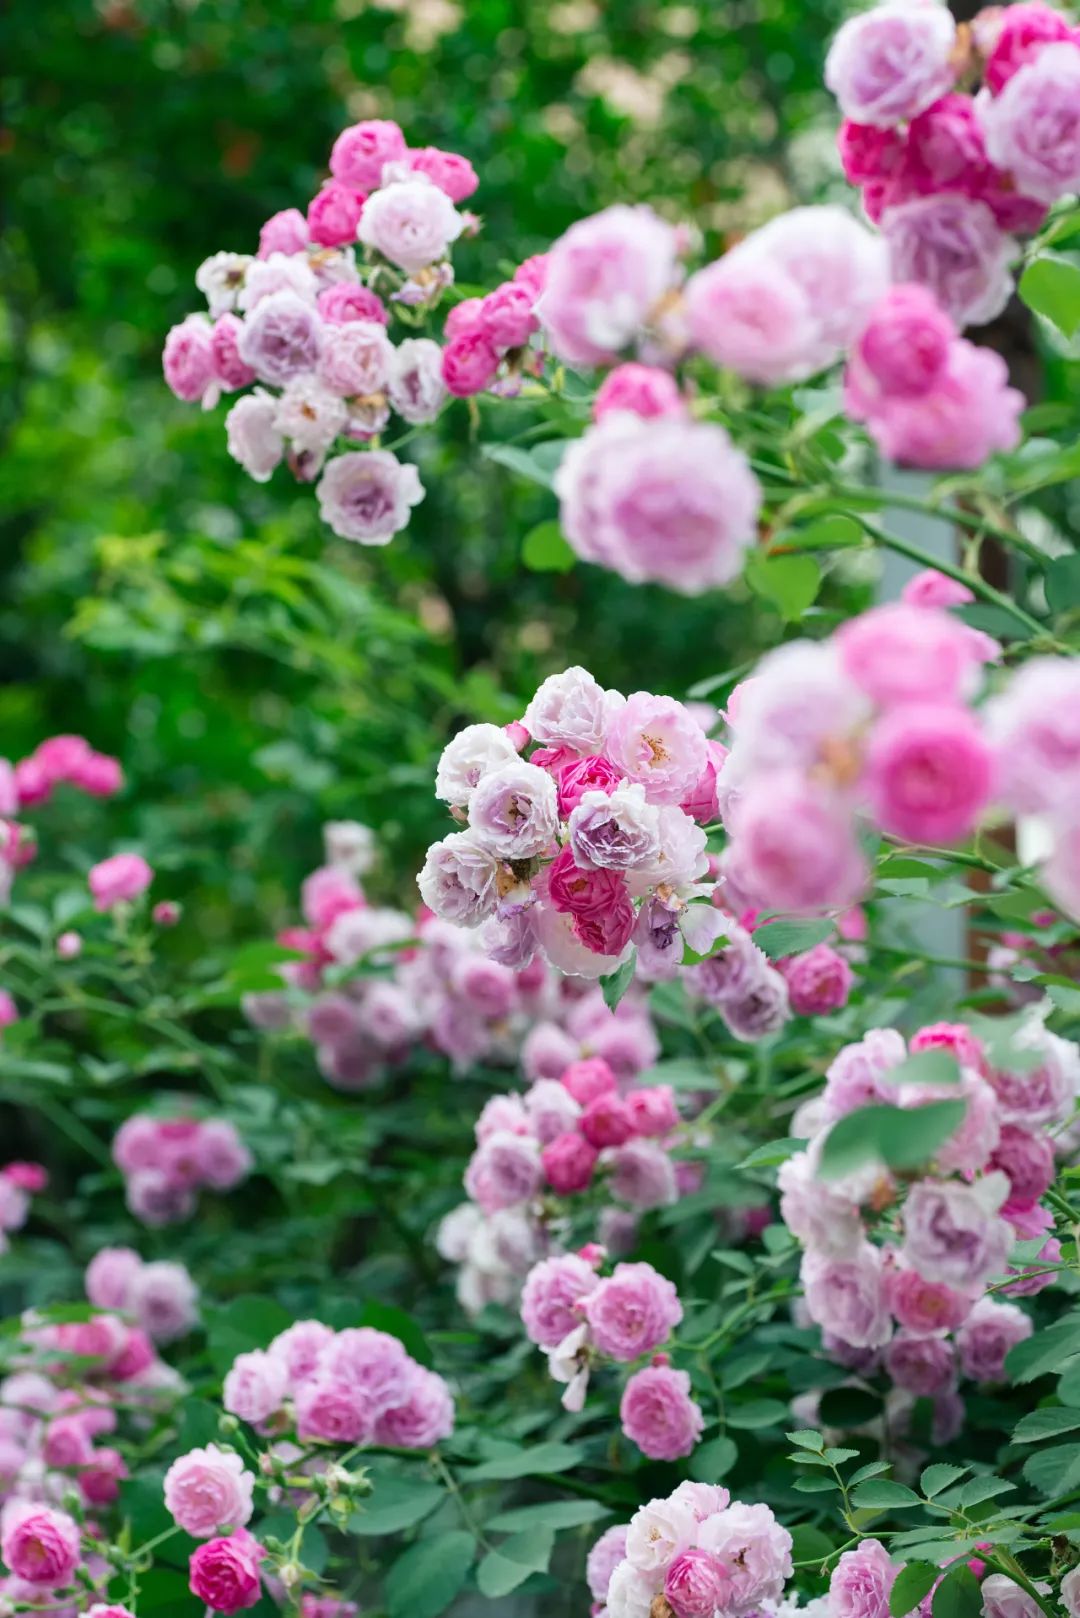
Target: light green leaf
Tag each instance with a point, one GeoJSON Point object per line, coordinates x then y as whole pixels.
{"type": "Point", "coordinates": [901, 1137]}
{"type": "Point", "coordinates": [1040, 1424]}
{"type": "Point", "coordinates": [791, 583]}
{"type": "Point", "coordinates": [1063, 584]}
{"type": "Point", "coordinates": [712, 1461]}
{"type": "Point", "coordinates": [780, 938]}
{"type": "Point", "coordinates": [1051, 286]}
{"type": "Point", "coordinates": [511, 1563]}
{"type": "Point", "coordinates": [396, 1504]}
{"type": "Point", "coordinates": [545, 550]}
{"type": "Point", "coordinates": [1049, 1350]}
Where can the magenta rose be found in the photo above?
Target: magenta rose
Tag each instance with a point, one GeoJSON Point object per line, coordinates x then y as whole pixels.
{"type": "Point", "coordinates": [929, 773]}
{"type": "Point", "coordinates": [569, 1162]}
{"type": "Point", "coordinates": [225, 1572]}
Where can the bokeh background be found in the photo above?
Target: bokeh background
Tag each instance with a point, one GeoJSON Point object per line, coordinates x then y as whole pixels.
{"type": "Point", "coordinates": [254, 673]}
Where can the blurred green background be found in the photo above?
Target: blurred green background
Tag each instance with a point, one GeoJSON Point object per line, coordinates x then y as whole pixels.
{"type": "Point", "coordinates": [254, 673]}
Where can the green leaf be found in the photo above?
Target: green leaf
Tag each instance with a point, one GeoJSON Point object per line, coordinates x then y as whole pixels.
{"type": "Point", "coordinates": [772, 1153]}
{"type": "Point", "coordinates": [902, 1137]}
{"type": "Point", "coordinates": [791, 583]}
{"type": "Point", "coordinates": [527, 1463]}
{"type": "Point", "coordinates": [1049, 1350]}
{"type": "Point", "coordinates": [883, 1493]}
{"type": "Point", "coordinates": [616, 983]}
{"type": "Point", "coordinates": [933, 1066]}
{"type": "Point", "coordinates": [809, 1544]}
{"type": "Point", "coordinates": [242, 1324]}
{"type": "Point", "coordinates": [424, 1581]}
{"type": "Point", "coordinates": [554, 1514]}
{"type": "Point", "coordinates": [1051, 286]}
{"type": "Point", "coordinates": [827, 534]}
{"type": "Point", "coordinates": [1063, 584]}
{"type": "Point", "coordinates": [984, 1488]}
{"type": "Point", "coordinates": [815, 1485]}
{"type": "Point", "coordinates": [544, 549]}
{"type": "Point", "coordinates": [712, 1461]}
{"type": "Point", "coordinates": [758, 1413]}
{"type": "Point", "coordinates": [1065, 997]}
{"type": "Point", "coordinates": [1054, 1471]}
{"type": "Point", "coordinates": [913, 1582]}
{"type": "Point", "coordinates": [504, 1568]}
{"type": "Point", "coordinates": [806, 1438]}
{"type": "Point", "coordinates": [1040, 1424]}
{"type": "Point", "coordinates": [958, 1595]}
{"type": "Point", "coordinates": [396, 1504]}
{"type": "Point", "coordinates": [780, 938]}
{"type": "Point", "coordinates": [538, 464]}
{"type": "Point", "coordinates": [940, 1476]}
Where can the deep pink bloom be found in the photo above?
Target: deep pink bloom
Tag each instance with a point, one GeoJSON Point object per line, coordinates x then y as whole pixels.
{"type": "Point", "coordinates": [697, 1584]}
{"type": "Point", "coordinates": [819, 981]}
{"type": "Point", "coordinates": [360, 152]}
{"type": "Point", "coordinates": [99, 775]}
{"type": "Point", "coordinates": [590, 774]}
{"type": "Point", "coordinates": [188, 358]}
{"type": "Point", "coordinates": [653, 1109]}
{"type": "Point", "coordinates": [451, 172]}
{"type": "Point", "coordinates": [587, 1078]}
{"type": "Point", "coordinates": [225, 1572]}
{"type": "Point", "coordinates": [607, 1121]}
{"type": "Point", "coordinates": [632, 1311]}
{"type": "Point", "coordinates": [469, 362]}
{"type": "Point", "coordinates": [283, 232]}
{"type": "Point", "coordinates": [644, 390]}
{"type": "Point", "coordinates": [929, 773]}
{"type": "Point", "coordinates": [346, 301]}
{"type": "Point", "coordinates": [867, 152]}
{"type": "Point", "coordinates": [569, 1162]}
{"type": "Point", "coordinates": [39, 1543]}
{"type": "Point", "coordinates": [334, 213]}
{"type": "Point", "coordinates": [1023, 30]}
{"type": "Point", "coordinates": [506, 317]}
{"type": "Point", "coordinates": [119, 879]}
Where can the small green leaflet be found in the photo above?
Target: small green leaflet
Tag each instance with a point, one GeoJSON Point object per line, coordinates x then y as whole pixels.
{"type": "Point", "coordinates": [616, 984]}
{"type": "Point", "coordinates": [901, 1137]}
{"type": "Point", "coordinates": [544, 549]}
{"type": "Point", "coordinates": [913, 1582]}
{"type": "Point", "coordinates": [1051, 286]}
{"type": "Point", "coordinates": [780, 938]}
{"type": "Point", "coordinates": [791, 583]}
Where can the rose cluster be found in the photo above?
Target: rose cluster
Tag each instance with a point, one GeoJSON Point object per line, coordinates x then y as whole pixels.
{"type": "Point", "coordinates": [59, 1405]}
{"type": "Point", "coordinates": [167, 1161]}
{"type": "Point", "coordinates": [580, 1319]}
{"type": "Point", "coordinates": [556, 1140]}
{"type": "Point", "coordinates": [895, 1272]}
{"type": "Point", "coordinates": [32, 781]}
{"type": "Point", "coordinates": [18, 1183]}
{"type": "Point", "coordinates": [695, 1554]}
{"type": "Point", "coordinates": [590, 846]}
{"type": "Point", "coordinates": [353, 1387]}
{"type": "Point", "coordinates": [307, 323]}
{"type": "Point", "coordinates": [875, 723]}
{"type": "Point", "coordinates": [949, 174]}
{"type": "Point", "coordinates": [160, 1297]}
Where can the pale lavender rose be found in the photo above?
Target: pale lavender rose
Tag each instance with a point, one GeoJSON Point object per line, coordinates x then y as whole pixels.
{"type": "Point", "coordinates": [862, 1582]}
{"type": "Point", "coordinates": [423, 1418]}
{"type": "Point", "coordinates": [458, 879]}
{"type": "Point", "coordinates": [415, 385]}
{"type": "Point", "coordinates": [571, 710]}
{"type": "Point", "coordinates": [553, 1290]}
{"type": "Point", "coordinates": [309, 414]}
{"type": "Point", "coordinates": [732, 973]}
{"type": "Point", "coordinates": [755, 1548]}
{"type": "Point", "coordinates": [254, 1386]}
{"type": "Point", "coordinates": [618, 831]}
{"type": "Point", "coordinates": [604, 1557]}
{"type": "Point", "coordinates": [1032, 126]}
{"type": "Point", "coordinates": [298, 1348]}
{"type": "Point", "coordinates": [370, 1360]}
{"type": "Point", "coordinates": [822, 1218]}
{"type": "Point", "coordinates": [330, 1410]}
{"type": "Point", "coordinates": [514, 810]}
{"type": "Point", "coordinates": [605, 278]}
{"type": "Point", "coordinates": [952, 1231]}
{"type": "Point", "coordinates": [252, 437]}
{"type": "Point", "coordinates": [1001, 1598]}
{"type": "Point", "coordinates": [505, 1170]}
{"type": "Point", "coordinates": [1034, 726]}
{"type": "Point", "coordinates": [209, 1491]}
{"type": "Point", "coordinates": [987, 1335]}
{"type": "Point", "coordinates": [278, 272]}
{"type": "Point", "coordinates": [475, 751]}
{"type": "Point", "coordinates": [282, 337]}
{"type": "Point", "coordinates": [632, 1311]}
{"type": "Point", "coordinates": [367, 495]}
{"type": "Point", "coordinates": [551, 1110]}
{"type": "Point", "coordinates": [503, 1115]}
{"type": "Point", "coordinates": [847, 1296]}
{"type": "Point", "coordinates": [891, 62]}
{"type": "Point", "coordinates": [681, 861]}
{"type": "Point", "coordinates": [510, 940]}
{"type": "Point", "coordinates": [356, 358]}
{"type": "Point", "coordinates": [953, 245]}
{"type": "Point", "coordinates": [642, 1174]}
{"type": "Point", "coordinates": [658, 1532]}
{"type": "Point", "coordinates": [411, 223]}
{"type": "Point", "coordinates": [659, 1416]}
{"type": "Point", "coordinates": [164, 1300]}
{"type": "Point", "coordinates": [922, 1363]}
{"type": "Point", "coordinates": [657, 743]}
{"type": "Point", "coordinates": [109, 1277]}
{"type": "Point", "coordinates": [665, 501]}
{"type": "Point", "coordinates": [762, 1011]}
{"type": "Point", "coordinates": [856, 1076]}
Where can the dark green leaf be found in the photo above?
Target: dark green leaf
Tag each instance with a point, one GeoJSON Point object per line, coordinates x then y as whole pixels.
{"type": "Point", "coordinates": [884, 1493]}
{"type": "Point", "coordinates": [554, 1514]}
{"type": "Point", "coordinates": [913, 1582]}
{"type": "Point", "coordinates": [423, 1582]}
{"type": "Point", "coordinates": [1063, 582]}
{"type": "Point", "coordinates": [616, 983]}
{"type": "Point", "coordinates": [902, 1137]}
{"type": "Point", "coordinates": [511, 1563]}
{"type": "Point", "coordinates": [712, 1461]}
{"type": "Point", "coordinates": [940, 1476]}
{"type": "Point", "coordinates": [396, 1504]}
{"type": "Point", "coordinates": [1049, 1350]}
{"type": "Point", "coordinates": [526, 1463]}
{"type": "Point", "coordinates": [958, 1595]}
{"type": "Point", "coordinates": [1040, 1424]}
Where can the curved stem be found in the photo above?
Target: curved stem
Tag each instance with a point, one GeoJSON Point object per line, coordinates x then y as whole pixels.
{"type": "Point", "coordinates": [915, 553]}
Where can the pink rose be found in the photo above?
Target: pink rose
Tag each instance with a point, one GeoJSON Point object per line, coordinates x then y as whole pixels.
{"type": "Point", "coordinates": [1032, 126]}
{"type": "Point", "coordinates": [1021, 32]}
{"type": "Point", "coordinates": [904, 347]}
{"type": "Point", "coordinates": [188, 358]}
{"type": "Point", "coordinates": [862, 1582]}
{"type": "Point", "coordinates": [590, 774]}
{"type": "Point", "coordinates": [889, 63]}
{"type": "Point", "coordinates": [952, 1231]}
{"type": "Point", "coordinates": [658, 1414]}
{"type": "Point", "coordinates": [361, 152]}
{"type": "Point", "coordinates": [229, 368]}
{"type": "Point", "coordinates": [867, 152]}
{"type": "Point", "coordinates": [1027, 1159]}
{"type": "Point", "coordinates": [553, 1289]}
{"type": "Point", "coordinates": [819, 981]}
{"type": "Point", "coordinates": [607, 1121]}
{"type": "Point", "coordinates": [653, 1110]}
{"type": "Point", "coordinates": [254, 1386]}
{"type": "Point", "coordinates": [448, 170]}
{"type": "Point", "coordinates": [604, 1557]}
{"type": "Point", "coordinates": [929, 588]}
{"type": "Point", "coordinates": [605, 278]}
{"type": "Point", "coordinates": [751, 317]}
{"type": "Point", "coordinates": [1034, 724]}
{"type": "Point", "coordinates": [847, 1295]}
{"type": "Point", "coordinates": [225, 1572]}
{"type": "Point", "coordinates": [39, 1544]}
{"type": "Point", "coordinates": [921, 1363]}
{"type": "Point", "coordinates": [968, 415]}
{"type": "Point", "coordinates": [588, 1078]}
{"type": "Point", "coordinates": [569, 1162]}
{"type": "Point", "coordinates": [901, 654]}
{"type": "Point", "coordinates": [283, 232]}
{"type": "Point", "coordinates": [334, 213]}
{"type": "Point", "coordinates": [424, 1416]}
{"type": "Point", "coordinates": [644, 390]}
{"type": "Point", "coordinates": [411, 223]}
{"type": "Point", "coordinates": [505, 1170]}
{"type": "Point", "coordinates": [347, 300]}
{"type": "Point", "coordinates": [632, 1312]}
{"type": "Point", "coordinates": [953, 245]}
{"type": "Point", "coordinates": [207, 1490]}
{"type": "Point", "coordinates": [506, 316]}
{"type": "Point", "coordinates": [118, 880]}
{"type": "Point", "coordinates": [367, 495]}
{"type": "Point", "coordinates": [797, 847]}
{"type": "Point", "coordinates": [929, 773]}
{"type": "Point", "coordinates": [469, 362]}
{"type": "Point", "coordinates": [987, 1335]}
{"type": "Point", "coordinates": [332, 1410]}
{"type": "Point", "coordinates": [356, 358]}
{"type": "Point", "coordinates": [696, 1584]}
